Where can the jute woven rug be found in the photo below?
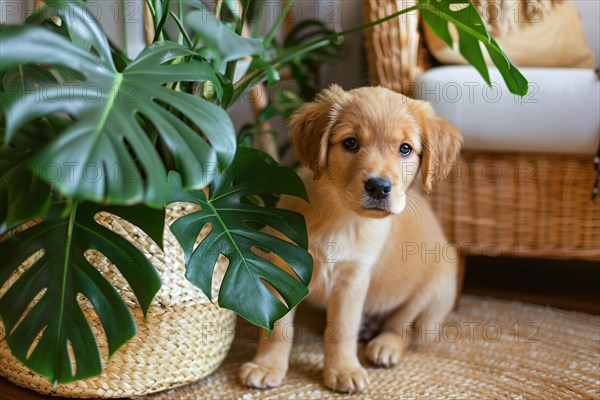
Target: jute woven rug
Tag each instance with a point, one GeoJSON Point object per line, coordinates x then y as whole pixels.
{"type": "Point", "coordinates": [488, 349]}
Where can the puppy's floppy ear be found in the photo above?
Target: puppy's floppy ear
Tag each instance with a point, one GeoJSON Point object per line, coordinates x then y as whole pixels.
{"type": "Point", "coordinates": [441, 144]}
{"type": "Point", "coordinates": [311, 126]}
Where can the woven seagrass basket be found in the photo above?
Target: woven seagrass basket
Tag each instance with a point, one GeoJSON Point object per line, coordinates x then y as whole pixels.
{"type": "Point", "coordinates": [184, 338]}
{"type": "Point", "coordinates": [493, 204]}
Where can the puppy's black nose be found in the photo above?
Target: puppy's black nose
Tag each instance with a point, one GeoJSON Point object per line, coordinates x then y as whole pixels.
{"type": "Point", "coordinates": [378, 188]}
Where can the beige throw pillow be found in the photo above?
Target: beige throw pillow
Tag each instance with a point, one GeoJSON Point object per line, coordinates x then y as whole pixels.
{"type": "Point", "coordinates": [533, 33]}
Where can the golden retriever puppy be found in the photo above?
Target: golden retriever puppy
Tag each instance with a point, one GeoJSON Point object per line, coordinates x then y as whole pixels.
{"type": "Point", "coordinates": [362, 150]}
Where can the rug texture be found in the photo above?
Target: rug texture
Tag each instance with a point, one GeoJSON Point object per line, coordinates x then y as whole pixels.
{"type": "Point", "coordinates": [487, 349]}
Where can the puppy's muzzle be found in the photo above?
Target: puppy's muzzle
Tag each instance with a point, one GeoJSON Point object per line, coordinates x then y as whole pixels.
{"type": "Point", "coordinates": [378, 188]}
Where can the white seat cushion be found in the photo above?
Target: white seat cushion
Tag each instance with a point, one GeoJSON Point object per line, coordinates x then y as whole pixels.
{"type": "Point", "coordinates": [560, 114]}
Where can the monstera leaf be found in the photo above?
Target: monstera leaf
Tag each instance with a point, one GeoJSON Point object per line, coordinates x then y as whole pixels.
{"type": "Point", "coordinates": [23, 194]}
{"type": "Point", "coordinates": [40, 336]}
{"type": "Point", "coordinates": [27, 195]}
{"type": "Point", "coordinates": [471, 31]}
{"type": "Point", "coordinates": [236, 218]}
{"type": "Point", "coordinates": [108, 153]}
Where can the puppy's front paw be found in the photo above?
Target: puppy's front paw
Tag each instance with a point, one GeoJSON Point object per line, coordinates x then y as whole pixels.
{"type": "Point", "coordinates": [346, 379]}
{"type": "Point", "coordinates": [261, 376]}
{"type": "Point", "coordinates": [385, 350]}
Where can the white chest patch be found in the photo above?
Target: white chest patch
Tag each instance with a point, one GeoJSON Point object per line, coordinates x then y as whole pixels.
{"type": "Point", "coordinates": [344, 245]}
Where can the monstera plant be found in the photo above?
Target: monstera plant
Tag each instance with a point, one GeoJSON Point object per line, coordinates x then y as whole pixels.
{"type": "Point", "coordinates": [86, 130]}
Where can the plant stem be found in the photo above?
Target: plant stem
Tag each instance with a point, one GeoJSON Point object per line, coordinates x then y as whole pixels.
{"type": "Point", "coordinates": [255, 32]}
{"type": "Point", "coordinates": [158, 17]}
{"type": "Point", "coordinates": [151, 8]}
{"type": "Point", "coordinates": [260, 75]}
{"type": "Point", "coordinates": [125, 28]}
{"type": "Point", "coordinates": [231, 66]}
{"type": "Point", "coordinates": [182, 32]}
{"type": "Point", "coordinates": [158, 35]}
{"type": "Point", "coordinates": [180, 17]}
{"type": "Point", "coordinates": [63, 282]}
{"type": "Point", "coordinates": [277, 24]}
{"type": "Point", "coordinates": [196, 42]}
{"type": "Point", "coordinates": [218, 7]}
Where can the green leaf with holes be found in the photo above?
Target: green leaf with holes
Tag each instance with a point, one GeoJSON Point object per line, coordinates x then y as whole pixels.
{"type": "Point", "coordinates": [23, 195]}
{"type": "Point", "coordinates": [471, 32]}
{"type": "Point", "coordinates": [234, 210]}
{"type": "Point", "coordinates": [109, 154]}
{"type": "Point", "coordinates": [63, 272]}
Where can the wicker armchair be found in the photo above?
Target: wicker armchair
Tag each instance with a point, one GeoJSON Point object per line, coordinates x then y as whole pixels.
{"type": "Point", "coordinates": [526, 205]}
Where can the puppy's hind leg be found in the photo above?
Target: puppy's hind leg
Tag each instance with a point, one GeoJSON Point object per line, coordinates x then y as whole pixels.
{"type": "Point", "coordinates": [386, 349]}
{"type": "Point", "coordinates": [426, 308]}
{"type": "Point", "coordinates": [429, 323]}
{"type": "Point", "coordinates": [270, 364]}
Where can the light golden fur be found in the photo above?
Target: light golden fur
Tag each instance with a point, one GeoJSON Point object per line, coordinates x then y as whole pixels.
{"type": "Point", "coordinates": [367, 260]}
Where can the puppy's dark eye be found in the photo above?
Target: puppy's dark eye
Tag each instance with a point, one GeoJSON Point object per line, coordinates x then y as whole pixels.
{"type": "Point", "coordinates": [405, 149]}
{"type": "Point", "coordinates": [351, 144]}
